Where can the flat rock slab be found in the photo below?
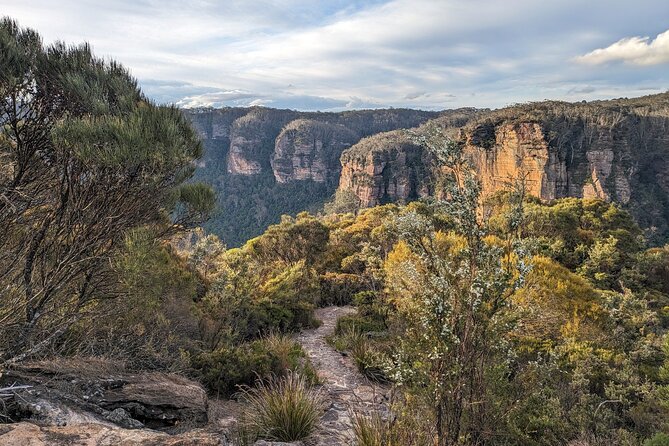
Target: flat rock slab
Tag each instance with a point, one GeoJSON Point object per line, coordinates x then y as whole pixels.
{"type": "Point", "coordinates": [29, 434]}
{"type": "Point", "coordinates": [65, 392]}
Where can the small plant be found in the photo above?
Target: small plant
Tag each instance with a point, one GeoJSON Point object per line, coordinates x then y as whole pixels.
{"type": "Point", "coordinates": [369, 360]}
{"type": "Point", "coordinates": [659, 439]}
{"type": "Point", "coordinates": [370, 430]}
{"type": "Point", "coordinates": [224, 369]}
{"type": "Point", "coordinates": [367, 355]}
{"type": "Point", "coordinates": [282, 408]}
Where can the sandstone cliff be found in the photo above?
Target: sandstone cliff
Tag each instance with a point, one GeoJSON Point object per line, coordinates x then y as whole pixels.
{"type": "Point", "coordinates": [265, 162]}
{"type": "Point", "coordinates": [252, 140]}
{"type": "Point", "coordinates": [307, 149]}
{"type": "Point", "coordinates": [385, 168]}
{"type": "Point", "coordinates": [612, 150]}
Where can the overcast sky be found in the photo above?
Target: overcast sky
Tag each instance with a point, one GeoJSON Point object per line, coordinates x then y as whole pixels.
{"type": "Point", "coordinates": [347, 54]}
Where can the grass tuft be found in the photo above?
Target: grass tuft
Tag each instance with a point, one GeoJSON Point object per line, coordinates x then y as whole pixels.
{"type": "Point", "coordinates": [282, 408]}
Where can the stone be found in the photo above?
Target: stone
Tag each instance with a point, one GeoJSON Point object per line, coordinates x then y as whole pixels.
{"type": "Point", "coordinates": [82, 391]}
{"type": "Point", "coordinates": [122, 418]}
{"type": "Point", "coordinates": [613, 151]}
{"type": "Point", "coordinates": [93, 434]}
{"type": "Point", "coordinates": [309, 150]}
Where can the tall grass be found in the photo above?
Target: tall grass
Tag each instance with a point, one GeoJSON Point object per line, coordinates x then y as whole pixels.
{"type": "Point", "coordinates": [365, 353]}
{"type": "Point", "coordinates": [370, 431]}
{"type": "Point", "coordinates": [410, 427]}
{"type": "Point", "coordinates": [283, 408]}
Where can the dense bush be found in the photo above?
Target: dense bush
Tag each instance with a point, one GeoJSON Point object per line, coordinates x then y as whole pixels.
{"type": "Point", "coordinates": [225, 369]}
{"type": "Point", "coordinates": [86, 159]}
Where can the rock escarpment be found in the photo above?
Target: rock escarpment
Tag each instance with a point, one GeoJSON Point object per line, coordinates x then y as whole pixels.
{"type": "Point", "coordinates": [385, 168]}
{"type": "Point", "coordinates": [611, 150]}
{"type": "Point", "coordinates": [309, 150]}
{"type": "Point", "coordinates": [65, 392]}
{"type": "Point", "coordinates": [252, 140]}
{"type": "Point", "coordinates": [258, 139]}
{"type": "Point", "coordinates": [265, 162]}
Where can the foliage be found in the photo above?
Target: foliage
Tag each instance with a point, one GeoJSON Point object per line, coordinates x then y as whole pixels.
{"type": "Point", "coordinates": [159, 289]}
{"type": "Point", "coordinates": [226, 368]}
{"type": "Point", "coordinates": [86, 158]}
{"type": "Point", "coordinates": [659, 439]}
{"type": "Point", "coordinates": [283, 408]}
{"type": "Point", "coordinates": [407, 427]}
{"type": "Point", "coordinates": [454, 307]}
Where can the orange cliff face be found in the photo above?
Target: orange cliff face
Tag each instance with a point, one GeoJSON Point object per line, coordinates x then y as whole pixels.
{"type": "Point", "coordinates": [610, 150]}
{"type": "Point", "coordinates": [385, 168]}
{"type": "Point", "coordinates": [519, 151]}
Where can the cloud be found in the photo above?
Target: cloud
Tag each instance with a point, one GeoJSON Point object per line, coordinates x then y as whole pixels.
{"type": "Point", "coordinates": [352, 54]}
{"type": "Point", "coordinates": [416, 95]}
{"type": "Point", "coordinates": [582, 90]}
{"type": "Point", "coordinates": [236, 98]}
{"type": "Point", "coordinates": [632, 50]}
{"type": "Point", "coordinates": [217, 99]}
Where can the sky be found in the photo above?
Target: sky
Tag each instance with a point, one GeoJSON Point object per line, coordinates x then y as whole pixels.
{"type": "Point", "coordinates": [352, 54]}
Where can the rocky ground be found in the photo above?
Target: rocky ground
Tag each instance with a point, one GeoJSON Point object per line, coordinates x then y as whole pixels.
{"type": "Point", "coordinates": [346, 390]}
{"type": "Point", "coordinates": [91, 404]}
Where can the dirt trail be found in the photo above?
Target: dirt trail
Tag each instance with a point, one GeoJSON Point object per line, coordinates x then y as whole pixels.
{"type": "Point", "coordinates": [344, 387]}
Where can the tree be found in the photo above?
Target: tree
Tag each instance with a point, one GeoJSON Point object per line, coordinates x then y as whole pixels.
{"type": "Point", "coordinates": [85, 158]}
{"type": "Point", "coordinates": [453, 294]}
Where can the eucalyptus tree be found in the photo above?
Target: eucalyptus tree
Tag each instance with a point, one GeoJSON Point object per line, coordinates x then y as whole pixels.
{"type": "Point", "coordinates": [84, 158]}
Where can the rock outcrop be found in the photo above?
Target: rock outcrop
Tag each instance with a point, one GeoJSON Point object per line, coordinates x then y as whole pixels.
{"type": "Point", "coordinates": [66, 392]}
{"type": "Point", "coordinates": [310, 150]}
{"type": "Point", "coordinates": [264, 162]}
{"type": "Point", "coordinates": [267, 162]}
{"type": "Point", "coordinates": [95, 434]}
{"type": "Point", "coordinates": [252, 140]}
{"type": "Point", "coordinates": [385, 168]}
{"type": "Point", "coordinates": [256, 138]}
{"type": "Point", "coordinates": [611, 150]}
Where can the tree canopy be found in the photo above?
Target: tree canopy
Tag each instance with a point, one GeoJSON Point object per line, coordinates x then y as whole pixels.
{"type": "Point", "coordinates": [84, 158]}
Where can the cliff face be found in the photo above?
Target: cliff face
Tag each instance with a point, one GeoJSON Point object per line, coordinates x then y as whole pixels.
{"type": "Point", "coordinates": [384, 169]}
{"type": "Point", "coordinates": [294, 146]}
{"type": "Point", "coordinates": [252, 140]}
{"type": "Point", "coordinates": [265, 162]}
{"type": "Point", "coordinates": [309, 150]}
{"type": "Point", "coordinates": [612, 150]}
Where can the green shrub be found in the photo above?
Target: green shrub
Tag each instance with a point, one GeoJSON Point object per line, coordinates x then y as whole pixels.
{"type": "Point", "coordinates": [369, 356]}
{"type": "Point", "coordinates": [369, 360]}
{"type": "Point", "coordinates": [284, 317]}
{"type": "Point", "coordinates": [408, 428]}
{"type": "Point", "coordinates": [226, 368]}
{"type": "Point", "coordinates": [282, 408]}
{"type": "Point", "coordinates": [658, 439]}
{"type": "Point", "coordinates": [370, 431]}
{"type": "Point", "coordinates": [355, 322]}
{"type": "Point", "coordinates": [337, 288]}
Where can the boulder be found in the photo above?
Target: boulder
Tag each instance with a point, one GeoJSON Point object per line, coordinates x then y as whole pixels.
{"type": "Point", "coordinates": [65, 392]}
{"type": "Point", "coordinates": [95, 434]}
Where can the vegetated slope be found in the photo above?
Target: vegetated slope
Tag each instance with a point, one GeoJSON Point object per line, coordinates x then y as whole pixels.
{"type": "Point", "coordinates": [267, 162]}
{"type": "Point", "coordinates": [615, 150]}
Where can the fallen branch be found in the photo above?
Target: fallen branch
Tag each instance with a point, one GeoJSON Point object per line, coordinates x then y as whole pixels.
{"type": "Point", "coordinates": [11, 388]}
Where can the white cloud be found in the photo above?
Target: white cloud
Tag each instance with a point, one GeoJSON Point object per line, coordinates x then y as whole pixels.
{"type": "Point", "coordinates": [217, 99]}
{"type": "Point", "coordinates": [633, 50]}
{"type": "Point", "coordinates": [334, 54]}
